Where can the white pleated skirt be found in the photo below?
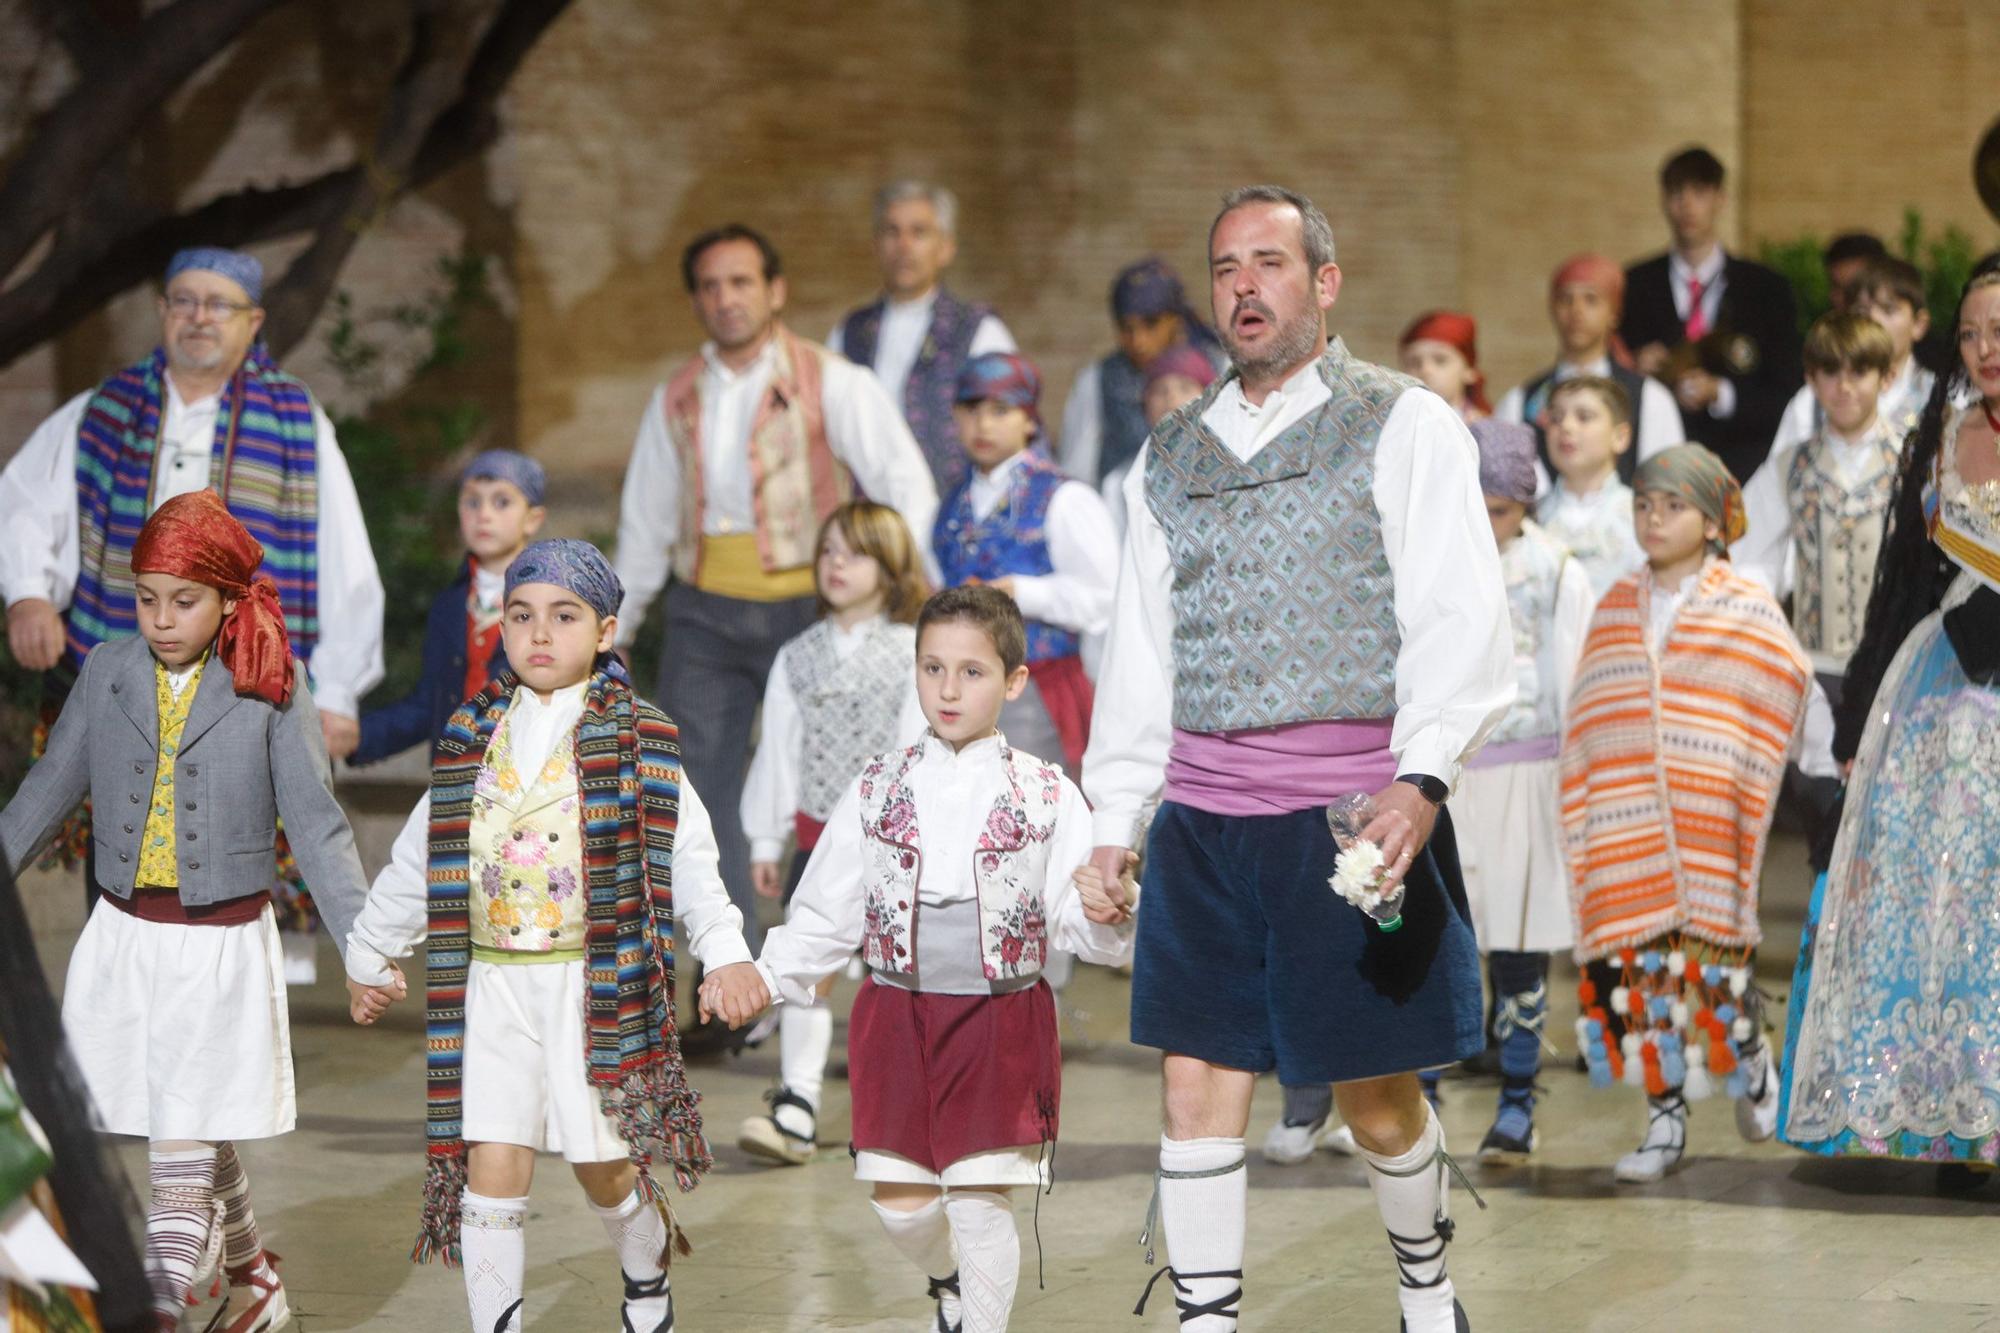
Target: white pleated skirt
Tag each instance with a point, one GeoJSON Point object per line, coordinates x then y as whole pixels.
{"type": "Point", "coordinates": [181, 1032]}
{"type": "Point", "coordinates": [1510, 847]}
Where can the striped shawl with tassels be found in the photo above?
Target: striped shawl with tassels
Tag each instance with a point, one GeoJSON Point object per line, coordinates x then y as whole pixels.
{"type": "Point", "coordinates": [628, 777]}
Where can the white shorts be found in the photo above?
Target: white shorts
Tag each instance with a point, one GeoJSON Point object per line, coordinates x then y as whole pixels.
{"type": "Point", "coordinates": [525, 1078]}
{"type": "Point", "coordinates": [1000, 1166]}
{"type": "Point", "coordinates": [181, 1032]}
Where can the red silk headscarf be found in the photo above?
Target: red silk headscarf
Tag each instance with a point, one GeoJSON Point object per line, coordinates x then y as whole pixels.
{"type": "Point", "coordinates": [195, 537]}
{"type": "Point", "coordinates": [1456, 330]}
{"type": "Point", "coordinates": [1609, 279]}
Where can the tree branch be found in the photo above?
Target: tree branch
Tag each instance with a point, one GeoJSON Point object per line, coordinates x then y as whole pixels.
{"type": "Point", "coordinates": [101, 113]}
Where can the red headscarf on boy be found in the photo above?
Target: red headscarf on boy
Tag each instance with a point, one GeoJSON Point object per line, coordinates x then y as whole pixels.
{"type": "Point", "coordinates": [195, 537]}
{"type": "Point", "coordinates": [1609, 279]}
{"type": "Point", "coordinates": [1456, 330]}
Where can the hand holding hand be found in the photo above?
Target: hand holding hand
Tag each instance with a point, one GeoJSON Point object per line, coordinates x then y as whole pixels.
{"type": "Point", "coordinates": [736, 994]}
{"type": "Point", "coordinates": [342, 733]}
{"type": "Point", "coordinates": [1402, 825]}
{"type": "Point", "coordinates": [1697, 390]}
{"type": "Point", "coordinates": [1108, 865]}
{"type": "Point", "coordinates": [1095, 890]}
{"type": "Point", "coordinates": [35, 633]}
{"type": "Point", "coordinates": [764, 879]}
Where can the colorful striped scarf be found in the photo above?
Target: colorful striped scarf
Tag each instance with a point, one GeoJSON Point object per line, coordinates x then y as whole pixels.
{"type": "Point", "coordinates": [629, 779]}
{"type": "Point", "coordinates": [1671, 764]}
{"type": "Point", "coordinates": [264, 465]}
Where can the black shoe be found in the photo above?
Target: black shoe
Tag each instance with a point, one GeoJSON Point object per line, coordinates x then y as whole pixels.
{"type": "Point", "coordinates": [708, 1040]}
{"type": "Point", "coordinates": [647, 1290]}
{"type": "Point", "coordinates": [1459, 1321]}
{"type": "Point", "coordinates": [939, 1287]}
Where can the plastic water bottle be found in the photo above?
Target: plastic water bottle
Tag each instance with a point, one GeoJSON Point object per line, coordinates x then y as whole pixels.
{"type": "Point", "coordinates": [1345, 819]}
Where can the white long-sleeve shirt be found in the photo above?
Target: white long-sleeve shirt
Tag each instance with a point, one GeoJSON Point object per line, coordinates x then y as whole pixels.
{"type": "Point", "coordinates": [905, 325]}
{"type": "Point", "coordinates": [396, 917]}
{"type": "Point", "coordinates": [864, 429]}
{"type": "Point", "coordinates": [1597, 529]}
{"type": "Point", "coordinates": [954, 791]}
{"type": "Point", "coordinates": [771, 792]}
{"type": "Point", "coordinates": [1082, 438]}
{"type": "Point", "coordinates": [1083, 548]}
{"type": "Point", "coordinates": [1455, 665]}
{"type": "Point", "coordinates": [40, 553]}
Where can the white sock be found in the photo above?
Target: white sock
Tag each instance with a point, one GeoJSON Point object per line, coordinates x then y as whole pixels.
{"type": "Point", "coordinates": [924, 1238]}
{"type": "Point", "coordinates": [805, 1039]}
{"type": "Point", "coordinates": [1202, 1212]}
{"type": "Point", "coordinates": [989, 1257]}
{"type": "Point", "coordinates": [1410, 1195]}
{"type": "Point", "coordinates": [177, 1226]}
{"type": "Point", "coordinates": [638, 1231]}
{"type": "Point", "coordinates": [496, 1260]}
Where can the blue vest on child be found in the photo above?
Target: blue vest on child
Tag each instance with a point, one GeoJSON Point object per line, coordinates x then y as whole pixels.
{"type": "Point", "coordinates": [1013, 539]}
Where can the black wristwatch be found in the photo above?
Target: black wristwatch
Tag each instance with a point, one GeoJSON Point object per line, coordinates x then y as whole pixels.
{"type": "Point", "coordinates": [1433, 790]}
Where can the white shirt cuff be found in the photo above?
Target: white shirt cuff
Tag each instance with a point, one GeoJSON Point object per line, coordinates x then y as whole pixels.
{"type": "Point", "coordinates": [336, 699]}
{"type": "Point", "coordinates": [1427, 754]}
{"type": "Point", "coordinates": [1724, 406]}
{"type": "Point", "coordinates": [365, 966]}
{"type": "Point", "coordinates": [767, 849]}
{"type": "Point", "coordinates": [721, 948]}
{"type": "Point", "coordinates": [1113, 828]}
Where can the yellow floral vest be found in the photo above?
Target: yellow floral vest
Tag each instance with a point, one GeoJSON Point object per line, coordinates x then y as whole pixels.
{"type": "Point", "coordinates": [159, 864]}
{"type": "Point", "coordinates": [528, 893]}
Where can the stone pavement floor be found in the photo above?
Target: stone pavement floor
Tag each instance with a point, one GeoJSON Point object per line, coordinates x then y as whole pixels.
{"type": "Point", "coordinates": [1747, 1237]}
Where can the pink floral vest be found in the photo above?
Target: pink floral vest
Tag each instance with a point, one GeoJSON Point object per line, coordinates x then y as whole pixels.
{"type": "Point", "coordinates": [1010, 865]}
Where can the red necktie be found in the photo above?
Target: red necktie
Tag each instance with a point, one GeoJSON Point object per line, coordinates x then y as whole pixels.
{"type": "Point", "coordinates": [1697, 320]}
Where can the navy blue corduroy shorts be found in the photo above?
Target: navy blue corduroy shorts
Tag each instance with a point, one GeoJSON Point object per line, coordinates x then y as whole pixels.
{"type": "Point", "coordinates": [1246, 958]}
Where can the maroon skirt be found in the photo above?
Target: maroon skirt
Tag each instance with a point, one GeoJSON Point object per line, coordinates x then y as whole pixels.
{"type": "Point", "coordinates": [938, 1077]}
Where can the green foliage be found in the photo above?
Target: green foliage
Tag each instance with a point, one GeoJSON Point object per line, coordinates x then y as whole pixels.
{"type": "Point", "coordinates": [1945, 259]}
{"type": "Point", "coordinates": [398, 448]}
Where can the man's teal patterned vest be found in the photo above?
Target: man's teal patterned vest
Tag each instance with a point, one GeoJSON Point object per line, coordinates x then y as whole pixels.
{"type": "Point", "coordinates": [1284, 605]}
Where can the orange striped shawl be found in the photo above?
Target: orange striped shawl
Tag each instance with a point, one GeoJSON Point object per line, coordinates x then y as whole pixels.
{"type": "Point", "coordinates": [1671, 766]}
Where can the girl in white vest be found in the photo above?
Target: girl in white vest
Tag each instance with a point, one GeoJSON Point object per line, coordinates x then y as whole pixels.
{"type": "Point", "coordinates": [948, 865]}
{"type": "Point", "coordinates": [839, 693]}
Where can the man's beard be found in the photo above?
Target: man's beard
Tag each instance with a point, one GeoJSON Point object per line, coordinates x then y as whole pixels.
{"type": "Point", "coordinates": [1290, 345]}
{"type": "Point", "coordinates": [204, 354]}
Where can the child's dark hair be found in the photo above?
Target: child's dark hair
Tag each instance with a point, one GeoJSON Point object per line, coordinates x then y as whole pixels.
{"type": "Point", "coordinates": [879, 532]}
{"type": "Point", "coordinates": [991, 610]}
{"type": "Point", "coordinates": [1887, 275]}
{"type": "Point", "coordinates": [1609, 391]}
{"type": "Point", "coordinates": [1841, 340]}
{"type": "Point", "coordinates": [1852, 245]}
{"type": "Point", "coordinates": [1691, 166]}
{"type": "Point", "coordinates": [1911, 573]}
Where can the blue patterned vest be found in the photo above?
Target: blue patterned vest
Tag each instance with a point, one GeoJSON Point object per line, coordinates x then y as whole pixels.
{"type": "Point", "coordinates": [927, 394]}
{"type": "Point", "coordinates": [1284, 605]}
{"type": "Point", "coordinates": [1010, 540]}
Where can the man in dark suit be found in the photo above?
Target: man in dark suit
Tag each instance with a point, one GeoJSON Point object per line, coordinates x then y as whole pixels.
{"type": "Point", "coordinates": [1722, 332]}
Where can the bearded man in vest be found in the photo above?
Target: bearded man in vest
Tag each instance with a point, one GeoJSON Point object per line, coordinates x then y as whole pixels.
{"type": "Point", "coordinates": [918, 335]}
{"type": "Point", "coordinates": [207, 409]}
{"type": "Point", "coordinates": [740, 455]}
{"type": "Point", "coordinates": [1311, 606]}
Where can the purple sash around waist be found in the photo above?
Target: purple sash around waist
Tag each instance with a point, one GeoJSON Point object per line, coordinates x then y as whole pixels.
{"type": "Point", "coordinates": [1525, 751]}
{"type": "Point", "coordinates": [1276, 770]}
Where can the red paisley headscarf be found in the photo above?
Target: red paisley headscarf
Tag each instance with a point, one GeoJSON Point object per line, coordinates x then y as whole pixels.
{"type": "Point", "coordinates": [1456, 330]}
{"type": "Point", "coordinates": [195, 537]}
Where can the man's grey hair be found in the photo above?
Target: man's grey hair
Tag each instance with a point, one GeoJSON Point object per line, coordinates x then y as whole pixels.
{"type": "Point", "coordinates": [942, 201]}
{"type": "Point", "coordinates": [1318, 231]}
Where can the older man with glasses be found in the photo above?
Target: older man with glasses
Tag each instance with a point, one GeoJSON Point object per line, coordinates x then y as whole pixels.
{"type": "Point", "coordinates": [207, 409]}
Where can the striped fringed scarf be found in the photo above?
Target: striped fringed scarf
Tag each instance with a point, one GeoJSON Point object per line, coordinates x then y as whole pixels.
{"type": "Point", "coordinates": [629, 779]}
{"type": "Point", "coordinates": [1671, 766]}
{"type": "Point", "coordinates": [264, 465]}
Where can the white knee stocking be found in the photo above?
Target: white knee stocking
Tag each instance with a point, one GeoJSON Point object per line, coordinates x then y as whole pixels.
{"type": "Point", "coordinates": [496, 1260]}
{"type": "Point", "coordinates": [1203, 1193]}
{"type": "Point", "coordinates": [924, 1238]}
{"type": "Point", "coordinates": [805, 1038]}
{"type": "Point", "coordinates": [1410, 1195]}
{"type": "Point", "coordinates": [989, 1257]}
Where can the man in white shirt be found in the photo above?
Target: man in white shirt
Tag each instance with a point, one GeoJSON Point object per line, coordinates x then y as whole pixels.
{"type": "Point", "coordinates": [160, 429]}
{"type": "Point", "coordinates": [740, 456]}
{"type": "Point", "coordinates": [917, 335]}
{"type": "Point", "coordinates": [1310, 605]}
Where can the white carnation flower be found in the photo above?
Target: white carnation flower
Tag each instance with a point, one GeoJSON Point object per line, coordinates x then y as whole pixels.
{"type": "Point", "coordinates": [1357, 874]}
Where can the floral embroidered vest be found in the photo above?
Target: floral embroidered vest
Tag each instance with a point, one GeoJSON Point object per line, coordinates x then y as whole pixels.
{"type": "Point", "coordinates": [1532, 566]}
{"type": "Point", "coordinates": [527, 891]}
{"type": "Point", "coordinates": [1013, 539]}
{"type": "Point", "coordinates": [1010, 865]}
{"type": "Point", "coordinates": [848, 707]}
{"type": "Point", "coordinates": [1837, 534]}
{"type": "Point", "coordinates": [795, 479]}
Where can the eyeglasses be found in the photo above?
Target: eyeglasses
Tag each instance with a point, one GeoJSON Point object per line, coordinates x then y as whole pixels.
{"type": "Point", "coordinates": [215, 307]}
